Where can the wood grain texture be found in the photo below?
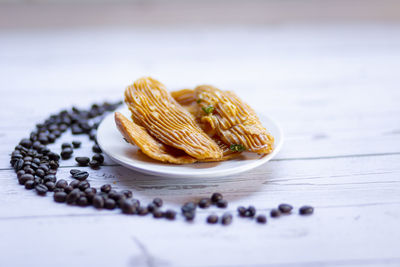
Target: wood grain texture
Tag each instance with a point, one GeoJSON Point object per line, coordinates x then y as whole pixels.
{"type": "Point", "coordinates": [334, 90]}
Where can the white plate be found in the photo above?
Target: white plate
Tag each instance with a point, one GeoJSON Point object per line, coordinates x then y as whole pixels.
{"type": "Point", "coordinates": [112, 143]}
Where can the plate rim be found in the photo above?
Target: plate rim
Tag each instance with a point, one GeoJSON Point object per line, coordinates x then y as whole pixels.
{"type": "Point", "coordinates": [194, 174]}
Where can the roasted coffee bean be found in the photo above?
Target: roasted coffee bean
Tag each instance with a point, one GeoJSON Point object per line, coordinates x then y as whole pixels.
{"type": "Point", "coordinates": [30, 184]}
{"type": "Point", "coordinates": [204, 203]}
{"type": "Point", "coordinates": [53, 172]}
{"type": "Point", "coordinates": [29, 170]}
{"type": "Point", "coordinates": [212, 219]}
{"type": "Point", "coordinates": [261, 219]}
{"type": "Point", "coordinates": [50, 186]}
{"type": "Point", "coordinates": [306, 210]}
{"type": "Point", "coordinates": [285, 208]}
{"type": "Point", "coordinates": [94, 164]}
{"type": "Point", "coordinates": [98, 202]}
{"type": "Point", "coordinates": [65, 145]}
{"type": "Point", "coordinates": [44, 166]}
{"type": "Point", "coordinates": [76, 144]}
{"type": "Point", "coordinates": [114, 195]}
{"type": "Point", "coordinates": [53, 165]}
{"type": "Point", "coordinates": [26, 143]}
{"type": "Point", "coordinates": [28, 158]}
{"type": "Point", "coordinates": [142, 211]}
{"type": "Point", "coordinates": [38, 180]}
{"type": "Point", "coordinates": [82, 201]}
{"type": "Point", "coordinates": [24, 178]}
{"type": "Point", "coordinates": [222, 203]}
{"type": "Point", "coordinates": [241, 210]}
{"type": "Point", "coordinates": [128, 207]}
{"type": "Point", "coordinates": [127, 193]}
{"type": "Point", "coordinates": [42, 138]}
{"type": "Point", "coordinates": [63, 127]}
{"type": "Point", "coordinates": [73, 171]}
{"type": "Point", "coordinates": [36, 161]}
{"type": "Point", "coordinates": [170, 214]}
{"type": "Point", "coordinates": [74, 183]}
{"type": "Point", "coordinates": [188, 207]}
{"type": "Point", "coordinates": [158, 202]}
{"type": "Point", "coordinates": [18, 164]}
{"type": "Point", "coordinates": [41, 189]}
{"type": "Point", "coordinates": [90, 193]}
{"type": "Point", "coordinates": [40, 173]}
{"type": "Point", "coordinates": [51, 138]}
{"type": "Point", "coordinates": [52, 127]}
{"type": "Point", "coordinates": [60, 197]}
{"type": "Point", "coordinates": [81, 175]}
{"type": "Point", "coordinates": [99, 158]}
{"type": "Point", "coordinates": [250, 212]}
{"type": "Point", "coordinates": [75, 129]}
{"type": "Point", "coordinates": [82, 161]}
{"type": "Point", "coordinates": [275, 213]}
{"type": "Point", "coordinates": [96, 148]}
{"type": "Point", "coordinates": [53, 156]}
{"type": "Point", "coordinates": [158, 214]}
{"type": "Point", "coordinates": [226, 219]}
{"type": "Point", "coordinates": [56, 133]}
{"type": "Point", "coordinates": [151, 207]}
{"type": "Point", "coordinates": [50, 178]}
{"type": "Point", "coordinates": [110, 204]}
{"type": "Point", "coordinates": [189, 216]}
{"type": "Point", "coordinates": [66, 153]}
{"type": "Point", "coordinates": [105, 188]}
{"type": "Point", "coordinates": [73, 196]}
{"type": "Point", "coordinates": [20, 173]}
{"type": "Point", "coordinates": [216, 197]}
{"type": "Point", "coordinates": [68, 189]}
{"type": "Point", "coordinates": [58, 190]}
{"type": "Point", "coordinates": [83, 185]}
{"type": "Point", "coordinates": [92, 134]}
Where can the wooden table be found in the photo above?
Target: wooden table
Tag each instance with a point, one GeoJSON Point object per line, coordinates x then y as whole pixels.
{"type": "Point", "coordinates": [333, 88]}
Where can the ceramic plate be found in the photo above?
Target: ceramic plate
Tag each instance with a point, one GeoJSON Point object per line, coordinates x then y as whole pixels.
{"type": "Point", "coordinates": [112, 144]}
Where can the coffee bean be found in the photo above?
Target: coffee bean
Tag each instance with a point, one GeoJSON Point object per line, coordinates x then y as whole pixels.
{"type": "Point", "coordinates": [90, 193]}
{"type": "Point", "coordinates": [110, 204]}
{"type": "Point", "coordinates": [158, 214]}
{"type": "Point", "coordinates": [241, 210]}
{"type": "Point", "coordinates": [285, 208]}
{"type": "Point", "coordinates": [18, 164]}
{"type": "Point", "coordinates": [226, 219]}
{"type": "Point", "coordinates": [24, 178]}
{"type": "Point", "coordinates": [81, 175]}
{"type": "Point", "coordinates": [105, 188]}
{"type": "Point", "coordinates": [29, 170]}
{"type": "Point", "coordinates": [65, 145]}
{"type": "Point", "coordinates": [275, 213]}
{"type": "Point", "coordinates": [92, 134]}
{"type": "Point", "coordinates": [73, 196]}
{"type": "Point", "coordinates": [61, 183]}
{"type": "Point", "coordinates": [58, 190]}
{"type": "Point", "coordinates": [128, 207]}
{"type": "Point", "coordinates": [215, 197]}
{"type": "Point", "coordinates": [75, 129]}
{"type": "Point", "coordinates": [73, 171]}
{"type": "Point", "coordinates": [98, 202]}
{"type": "Point", "coordinates": [115, 195]}
{"type": "Point", "coordinates": [44, 167]}
{"type": "Point", "coordinates": [51, 138]}
{"type": "Point", "coordinates": [127, 193]}
{"type": "Point", "coordinates": [50, 178]}
{"type": "Point", "coordinates": [83, 185]}
{"type": "Point", "coordinates": [53, 165]}
{"type": "Point", "coordinates": [60, 197]}
{"type": "Point", "coordinates": [170, 214]}
{"type": "Point", "coordinates": [158, 202]}
{"type": "Point", "coordinates": [82, 201]}
{"type": "Point", "coordinates": [74, 183]}
{"type": "Point", "coordinates": [40, 173]}
{"type": "Point", "coordinates": [142, 211]}
{"type": "Point", "coordinates": [99, 158]}
{"type": "Point", "coordinates": [204, 203]}
{"type": "Point", "coordinates": [212, 219]}
{"type": "Point", "coordinates": [36, 161]}
{"type": "Point", "coordinates": [82, 161]}
{"type": "Point", "coordinates": [188, 207]}
{"type": "Point", "coordinates": [261, 219]}
{"type": "Point", "coordinates": [63, 127]}
{"type": "Point", "coordinates": [151, 207]}
{"type": "Point", "coordinates": [189, 216]}
{"type": "Point", "coordinates": [76, 144]}
{"type": "Point", "coordinates": [306, 210]}
{"type": "Point", "coordinates": [68, 189]}
{"type": "Point", "coordinates": [50, 186]}
{"type": "Point", "coordinates": [96, 148]}
{"type": "Point", "coordinates": [26, 143]}
{"type": "Point", "coordinates": [41, 189]}
{"type": "Point", "coordinates": [66, 153]}
{"type": "Point", "coordinates": [250, 212]}
{"type": "Point", "coordinates": [94, 164]}
{"type": "Point", "coordinates": [53, 156]}
{"type": "Point", "coordinates": [30, 184]}
{"type": "Point", "coordinates": [222, 203]}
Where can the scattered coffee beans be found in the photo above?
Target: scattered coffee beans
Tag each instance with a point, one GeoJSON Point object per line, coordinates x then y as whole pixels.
{"type": "Point", "coordinates": [212, 219]}
{"type": "Point", "coordinates": [306, 210]}
{"type": "Point", "coordinates": [285, 208]}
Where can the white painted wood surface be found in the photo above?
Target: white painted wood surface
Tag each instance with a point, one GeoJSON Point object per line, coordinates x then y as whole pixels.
{"type": "Point", "coordinates": [335, 90]}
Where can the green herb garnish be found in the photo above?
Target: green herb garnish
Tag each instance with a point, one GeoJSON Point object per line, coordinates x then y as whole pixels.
{"type": "Point", "coordinates": [237, 147]}
{"type": "Point", "coordinates": [208, 109]}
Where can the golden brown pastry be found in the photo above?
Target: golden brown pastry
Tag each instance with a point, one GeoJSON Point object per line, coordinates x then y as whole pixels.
{"type": "Point", "coordinates": [223, 114]}
{"type": "Point", "coordinates": [153, 108]}
{"type": "Point", "coordinates": [137, 135]}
